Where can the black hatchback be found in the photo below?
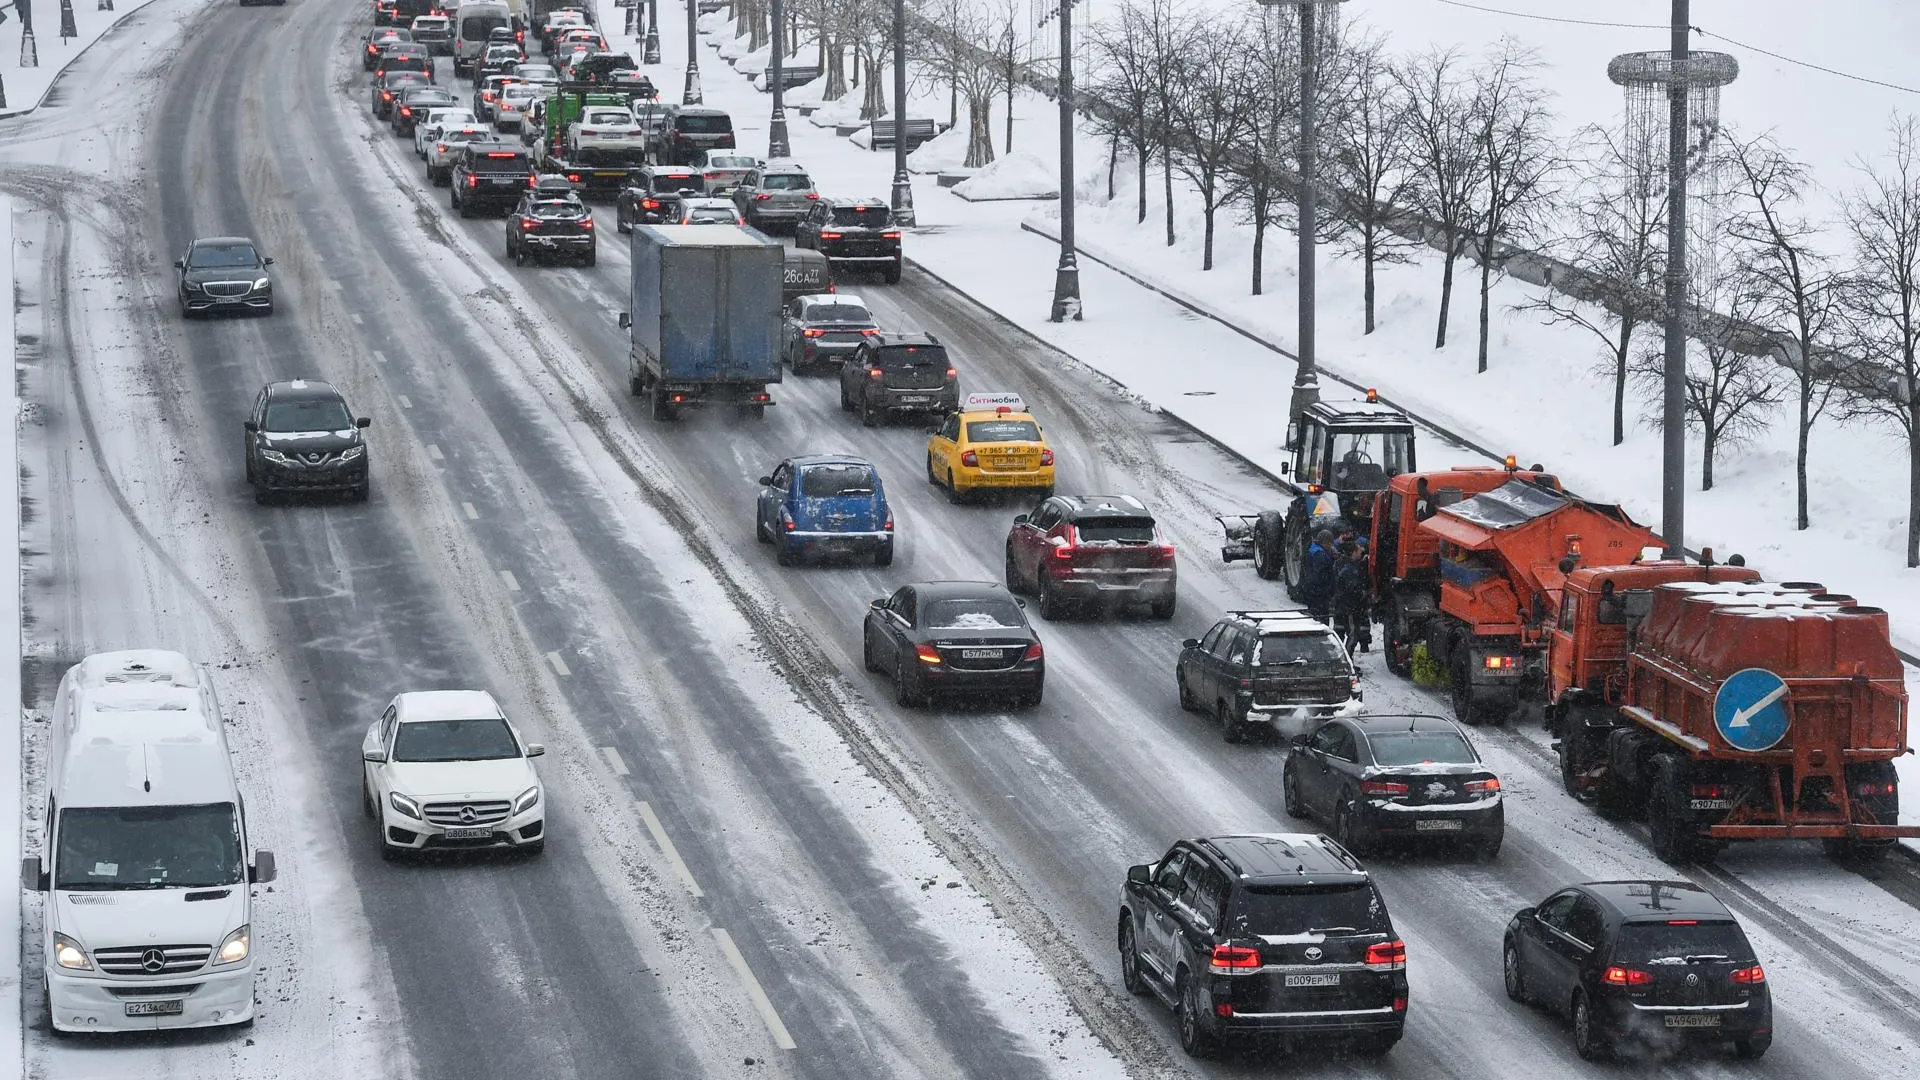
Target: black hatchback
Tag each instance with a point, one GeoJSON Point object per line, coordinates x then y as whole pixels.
{"type": "Point", "coordinates": [1654, 963]}
{"type": "Point", "coordinates": [301, 437]}
{"type": "Point", "coordinates": [892, 374]}
{"type": "Point", "coordinates": [954, 637]}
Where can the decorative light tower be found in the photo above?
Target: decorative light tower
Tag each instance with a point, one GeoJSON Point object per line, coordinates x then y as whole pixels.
{"type": "Point", "coordinates": [650, 52]}
{"type": "Point", "coordinates": [777, 126]}
{"type": "Point", "coordinates": [902, 187]}
{"type": "Point", "coordinates": [691, 94]}
{"type": "Point", "coordinates": [1066, 276]}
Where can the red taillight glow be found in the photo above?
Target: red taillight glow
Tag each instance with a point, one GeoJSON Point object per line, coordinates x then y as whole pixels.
{"type": "Point", "coordinates": [1399, 1004]}
{"type": "Point", "coordinates": [970, 459]}
{"type": "Point", "coordinates": [650, 204]}
{"type": "Point", "coordinates": [526, 225]}
{"type": "Point", "coordinates": [1064, 551]}
{"type": "Point", "coordinates": [1034, 652]}
{"type": "Point", "coordinates": [1382, 787]}
{"type": "Point", "coordinates": [872, 330]}
{"type": "Point", "coordinates": [875, 373]}
{"type": "Point", "coordinates": [952, 373]}
{"type": "Point", "coordinates": [1046, 457]}
{"type": "Point", "coordinates": [1500, 663]}
{"type": "Point", "coordinates": [1683, 922]}
{"type": "Point", "coordinates": [889, 524]}
{"type": "Point", "coordinates": [813, 195]}
{"type": "Point", "coordinates": [1235, 958]}
{"type": "Point", "coordinates": [1624, 976]}
{"type": "Point", "coordinates": [1750, 975]}
{"type": "Point", "coordinates": [1387, 955]}
{"type": "Point", "coordinates": [1223, 1009]}
{"type": "Point", "coordinates": [1713, 791]}
{"type": "Point", "coordinates": [1483, 787]}
{"type": "Point", "coordinates": [889, 236]}
{"type": "Point", "coordinates": [829, 236]}
{"type": "Point", "coordinates": [927, 654]}
{"type": "Point", "coordinates": [762, 197]}
{"type": "Point", "coordinates": [813, 331]}
{"type": "Point", "coordinates": [473, 181]}
{"type": "Point", "coordinates": [1868, 791]}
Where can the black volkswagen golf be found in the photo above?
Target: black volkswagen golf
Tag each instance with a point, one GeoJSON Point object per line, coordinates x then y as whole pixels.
{"type": "Point", "coordinates": [302, 437]}
{"type": "Point", "coordinates": [954, 637]}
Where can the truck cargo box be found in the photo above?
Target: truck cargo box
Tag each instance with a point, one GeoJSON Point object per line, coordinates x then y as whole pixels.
{"type": "Point", "coordinates": [705, 320]}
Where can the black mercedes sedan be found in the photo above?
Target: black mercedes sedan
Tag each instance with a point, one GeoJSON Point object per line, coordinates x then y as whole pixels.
{"type": "Point", "coordinates": [951, 638]}
{"type": "Point", "coordinates": [224, 273]}
{"type": "Point", "coordinates": [1385, 777]}
{"type": "Point", "coordinates": [301, 437]}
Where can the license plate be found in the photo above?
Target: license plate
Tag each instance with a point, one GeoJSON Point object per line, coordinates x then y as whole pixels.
{"type": "Point", "coordinates": [169, 1007]}
{"type": "Point", "coordinates": [979, 654]}
{"type": "Point", "coordinates": [1710, 804]}
{"type": "Point", "coordinates": [1693, 1020]}
{"type": "Point", "coordinates": [1438, 826]}
{"type": "Point", "coordinates": [915, 399]}
{"type": "Point", "coordinates": [1332, 979]}
{"type": "Point", "coordinates": [467, 834]}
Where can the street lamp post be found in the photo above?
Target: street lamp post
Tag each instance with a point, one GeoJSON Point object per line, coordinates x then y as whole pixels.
{"type": "Point", "coordinates": [1066, 276]}
{"type": "Point", "coordinates": [650, 52]}
{"type": "Point", "coordinates": [691, 94]}
{"type": "Point", "coordinates": [902, 187]}
{"type": "Point", "coordinates": [777, 126]}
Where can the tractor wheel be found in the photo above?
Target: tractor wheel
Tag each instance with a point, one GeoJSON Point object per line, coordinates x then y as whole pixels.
{"type": "Point", "coordinates": [1293, 555]}
{"type": "Point", "coordinates": [1266, 545]}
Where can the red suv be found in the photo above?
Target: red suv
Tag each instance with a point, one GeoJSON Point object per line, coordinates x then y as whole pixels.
{"type": "Point", "coordinates": [1099, 551]}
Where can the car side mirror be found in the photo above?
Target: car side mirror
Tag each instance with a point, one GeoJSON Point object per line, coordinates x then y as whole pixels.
{"type": "Point", "coordinates": [249, 426]}
{"type": "Point", "coordinates": [626, 320]}
{"type": "Point", "coordinates": [377, 757]}
{"type": "Point", "coordinates": [262, 870]}
{"type": "Point", "coordinates": [1190, 643]}
{"type": "Point", "coordinates": [1525, 914]}
{"type": "Point", "coordinates": [535, 749]}
{"type": "Point", "coordinates": [1019, 519]}
{"type": "Point", "coordinates": [363, 422]}
{"type": "Point", "coordinates": [32, 877]}
{"type": "Point", "coordinates": [878, 605]}
{"type": "Point", "coordinates": [766, 481]}
{"type": "Point", "coordinates": [268, 261]}
{"type": "Point", "coordinates": [1298, 742]}
{"type": "Point", "coordinates": [1141, 874]}
{"type": "Point", "coordinates": [1286, 467]}
{"type": "Point", "coordinates": [179, 264]}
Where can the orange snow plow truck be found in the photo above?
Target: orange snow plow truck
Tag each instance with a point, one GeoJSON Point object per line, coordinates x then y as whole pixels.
{"type": "Point", "coordinates": [1720, 707]}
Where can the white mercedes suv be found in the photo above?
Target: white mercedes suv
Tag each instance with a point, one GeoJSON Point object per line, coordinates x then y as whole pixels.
{"type": "Point", "coordinates": [446, 769]}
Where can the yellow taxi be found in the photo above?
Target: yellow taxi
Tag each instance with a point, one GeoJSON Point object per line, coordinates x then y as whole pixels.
{"type": "Point", "coordinates": [991, 443]}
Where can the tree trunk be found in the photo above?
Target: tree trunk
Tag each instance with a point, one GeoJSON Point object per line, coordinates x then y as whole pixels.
{"type": "Point", "coordinates": [1446, 291]}
{"type": "Point", "coordinates": [1708, 441]}
{"type": "Point", "coordinates": [1206, 242]}
{"type": "Point", "coordinates": [979, 135]}
{"type": "Point", "coordinates": [856, 67]}
{"type": "Point", "coordinates": [1259, 239]}
{"type": "Point", "coordinates": [1142, 157]}
{"type": "Point", "coordinates": [1621, 353]}
{"type": "Point", "coordinates": [1486, 298]}
{"type": "Point", "coordinates": [1800, 448]}
{"type": "Point", "coordinates": [1913, 484]}
{"type": "Point", "coordinates": [1113, 162]}
{"type": "Point", "coordinates": [1011, 73]}
{"type": "Point", "coordinates": [953, 105]}
{"type": "Point", "coordinates": [1166, 177]}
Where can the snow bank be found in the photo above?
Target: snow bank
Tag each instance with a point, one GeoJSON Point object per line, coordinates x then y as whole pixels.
{"type": "Point", "coordinates": [12, 1052]}
{"type": "Point", "coordinates": [26, 88]}
{"type": "Point", "coordinates": [940, 153]}
{"type": "Point", "coordinates": [832, 114]}
{"type": "Point", "coordinates": [1019, 175]}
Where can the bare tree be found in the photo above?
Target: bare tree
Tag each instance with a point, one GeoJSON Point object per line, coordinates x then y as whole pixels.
{"type": "Point", "coordinates": [1615, 243]}
{"type": "Point", "coordinates": [1369, 161]}
{"type": "Point", "coordinates": [1127, 78]}
{"type": "Point", "coordinates": [1794, 286]}
{"type": "Point", "coordinates": [1731, 388]}
{"type": "Point", "coordinates": [1517, 159]}
{"type": "Point", "coordinates": [1257, 170]}
{"type": "Point", "coordinates": [1440, 133]}
{"type": "Point", "coordinates": [870, 29]}
{"type": "Point", "coordinates": [1883, 304]}
{"type": "Point", "coordinates": [1214, 112]}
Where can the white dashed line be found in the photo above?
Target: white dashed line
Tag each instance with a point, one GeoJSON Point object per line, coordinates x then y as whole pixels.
{"type": "Point", "coordinates": [379, 357]}
{"type": "Point", "coordinates": [404, 403]}
{"type": "Point", "coordinates": [666, 848]}
{"type": "Point", "coordinates": [357, 320]}
{"type": "Point", "coordinates": [759, 996]}
{"type": "Point", "coordinates": [472, 514]}
{"type": "Point", "coordinates": [559, 665]}
{"type": "Point", "coordinates": [513, 583]}
{"type": "Point", "coordinates": [433, 451]}
{"type": "Point", "coordinates": [614, 762]}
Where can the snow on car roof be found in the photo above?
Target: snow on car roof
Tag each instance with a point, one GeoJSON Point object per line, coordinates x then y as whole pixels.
{"type": "Point", "coordinates": [447, 705]}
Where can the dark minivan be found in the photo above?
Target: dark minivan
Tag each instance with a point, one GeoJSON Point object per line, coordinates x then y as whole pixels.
{"type": "Point", "coordinates": [804, 274]}
{"type": "Point", "coordinates": [691, 131]}
{"type": "Point", "coordinates": [892, 374]}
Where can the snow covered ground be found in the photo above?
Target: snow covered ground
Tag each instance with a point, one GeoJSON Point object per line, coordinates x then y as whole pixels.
{"type": "Point", "coordinates": [11, 1061]}
{"type": "Point", "coordinates": [27, 87]}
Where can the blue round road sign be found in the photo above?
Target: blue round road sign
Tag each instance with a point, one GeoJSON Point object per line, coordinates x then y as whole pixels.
{"type": "Point", "coordinates": [1751, 710]}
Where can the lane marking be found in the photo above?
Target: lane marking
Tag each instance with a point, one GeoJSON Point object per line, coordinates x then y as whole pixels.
{"type": "Point", "coordinates": [559, 665]}
{"type": "Point", "coordinates": [433, 451]}
{"type": "Point", "coordinates": [472, 514]}
{"type": "Point", "coordinates": [614, 761]}
{"type": "Point", "coordinates": [357, 320]}
{"type": "Point", "coordinates": [379, 357]}
{"type": "Point", "coordinates": [667, 849]}
{"type": "Point", "coordinates": [513, 583]}
{"type": "Point", "coordinates": [759, 996]}
{"type": "Point", "coordinates": [404, 403]}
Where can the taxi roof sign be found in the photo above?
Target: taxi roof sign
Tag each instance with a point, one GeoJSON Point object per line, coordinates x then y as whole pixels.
{"type": "Point", "coordinates": [999, 401]}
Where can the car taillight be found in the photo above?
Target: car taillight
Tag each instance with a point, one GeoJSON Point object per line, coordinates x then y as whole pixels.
{"type": "Point", "coordinates": [587, 224]}
{"type": "Point", "coordinates": [386, 95]}
{"type": "Point", "coordinates": [874, 373]}
{"type": "Point", "coordinates": [1500, 663]}
{"type": "Point", "coordinates": [650, 204]}
{"type": "Point", "coordinates": [441, 147]}
{"type": "Point", "coordinates": [1624, 976]}
{"type": "Point", "coordinates": [519, 35]}
{"type": "Point", "coordinates": [762, 197]}
{"type": "Point", "coordinates": [872, 330]}
{"type": "Point", "coordinates": [1868, 791]}
{"type": "Point", "coordinates": [1750, 975]}
{"type": "Point", "coordinates": [1034, 652]}
{"type": "Point", "coordinates": [889, 525]}
{"type": "Point", "coordinates": [1483, 787]}
{"type": "Point", "coordinates": [927, 654]}
{"type": "Point", "coordinates": [813, 195]}
{"type": "Point", "coordinates": [829, 236]}
{"type": "Point", "coordinates": [1399, 1004]}
{"type": "Point", "coordinates": [786, 520]}
{"type": "Point", "coordinates": [1065, 551]}
{"type": "Point", "coordinates": [889, 236]}
{"type": "Point", "coordinates": [970, 459]}
{"type": "Point", "coordinates": [1235, 958]}
{"type": "Point", "coordinates": [726, 140]}
{"type": "Point", "coordinates": [1382, 787]}
{"type": "Point", "coordinates": [526, 224]}
{"type": "Point", "coordinates": [1713, 791]}
{"type": "Point", "coordinates": [1162, 554]}
{"type": "Point", "coordinates": [1387, 955]}
{"type": "Point", "coordinates": [573, 178]}
{"type": "Point", "coordinates": [1046, 457]}
{"type": "Point", "coordinates": [406, 110]}
{"type": "Point", "coordinates": [952, 373]}
{"type": "Point", "coordinates": [813, 331]}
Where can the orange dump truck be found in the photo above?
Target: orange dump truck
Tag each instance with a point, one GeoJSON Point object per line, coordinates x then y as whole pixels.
{"type": "Point", "coordinates": [1469, 563]}
{"type": "Point", "coordinates": [1721, 707]}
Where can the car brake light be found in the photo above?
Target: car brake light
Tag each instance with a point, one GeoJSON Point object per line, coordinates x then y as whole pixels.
{"type": "Point", "coordinates": [573, 178]}
{"type": "Point", "coordinates": [889, 236]}
{"type": "Point", "coordinates": [519, 35]}
{"type": "Point", "coordinates": [927, 654]}
{"type": "Point", "coordinates": [889, 524]}
{"type": "Point", "coordinates": [1623, 976]}
{"type": "Point", "coordinates": [829, 236]}
{"type": "Point", "coordinates": [473, 181]}
{"type": "Point", "coordinates": [813, 331]}
{"type": "Point", "coordinates": [874, 373]}
{"type": "Point", "coordinates": [1387, 955]}
{"type": "Point", "coordinates": [1382, 787]}
{"type": "Point", "coordinates": [1034, 652]}
{"type": "Point", "coordinates": [1500, 663]}
{"type": "Point", "coordinates": [1399, 1004]}
{"type": "Point", "coordinates": [1483, 787]}
{"type": "Point", "coordinates": [762, 197]}
{"type": "Point", "coordinates": [872, 330]}
{"type": "Point", "coordinates": [1046, 457]}
{"type": "Point", "coordinates": [406, 110]}
{"type": "Point", "coordinates": [1868, 791]}
{"type": "Point", "coordinates": [1163, 554]}
{"type": "Point", "coordinates": [587, 224]}
{"type": "Point", "coordinates": [441, 147]}
{"type": "Point", "coordinates": [1750, 975]}
{"type": "Point", "coordinates": [650, 204]}
{"type": "Point", "coordinates": [1683, 922]}
{"type": "Point", "coordinates": [1235, 958]}
{"type": "Point", "coordinates": [952, 373]}
{"type": "Point", "coordinates": [1065, 551]}
{"type": "Point", "coordinates": [1713, 791]}
{"type": "Point", "coordinates": [526, 225]}
{"type": "Point", "coordinates": [813, 195]}
{"type": "Point", "coordinates": [970, 459]}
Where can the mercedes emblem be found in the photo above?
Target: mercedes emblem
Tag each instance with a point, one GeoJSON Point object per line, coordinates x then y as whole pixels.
{"type": "Point", "coordinates": [1313, 952]}
{"type": "Point", "coordinates": [468, 815]}
{"type": "Point", "coordinates": [153, 961]}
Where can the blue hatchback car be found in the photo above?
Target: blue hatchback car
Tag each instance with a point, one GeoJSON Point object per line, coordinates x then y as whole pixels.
{"type": "Point", "coordinates": [824, 504]}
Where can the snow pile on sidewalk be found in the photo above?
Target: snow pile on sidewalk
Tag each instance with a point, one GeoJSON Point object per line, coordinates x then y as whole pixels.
{"type": "Point", "coordinates": [1018, 175]}
{"type": "Point", "coordinates": [26, 87]}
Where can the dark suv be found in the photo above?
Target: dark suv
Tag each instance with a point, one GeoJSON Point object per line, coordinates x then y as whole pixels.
{"type": "Point", "coordinates": [1091, 550]}
{"type": "Point", "coordinates": [551, 222]}
{"type": "Point", "coordinates": [857, 233]}
{"type": "Point", "coordinates": [1275, 935]}
{"type": "Point", "coordinates": [489, 176]}
{"type": "Point", "coordinates": [1256, 667]}
{"type": "Point", "coordinates": [653, 193]}
{"type": "Point", "coordinates": [302, 437]}
{"type": "Point", "coordinates": [899, 373]}
{"type": "Point", "coordinates": [681, 139]}
{"type": "Point", "coordinates": [1659, 962]}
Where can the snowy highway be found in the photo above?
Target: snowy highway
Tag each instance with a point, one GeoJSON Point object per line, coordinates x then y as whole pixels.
{"type": "Point", "coordinates": [760, 865]}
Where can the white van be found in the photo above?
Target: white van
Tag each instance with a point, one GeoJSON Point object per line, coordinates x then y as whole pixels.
{"type": "Point", "coordinates": [472, 22]}
{"type": "Point", "coordinates": [149, 920]}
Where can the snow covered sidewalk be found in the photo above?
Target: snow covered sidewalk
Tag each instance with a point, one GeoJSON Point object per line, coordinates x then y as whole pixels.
{"type": "Point", "coordinates": [12, 1062]}
{"type": "Point", "coordinates": [27, 87]}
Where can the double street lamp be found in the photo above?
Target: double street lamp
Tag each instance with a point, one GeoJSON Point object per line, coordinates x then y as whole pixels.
{"type": "Point", "coordinates": [1066, 276]}
{"type": "Point", "coordinates": [777, 127]}
{"type": "Point", "coordinates": [902, 188]}
{"type": "Point", "coordinates": [691, 94]}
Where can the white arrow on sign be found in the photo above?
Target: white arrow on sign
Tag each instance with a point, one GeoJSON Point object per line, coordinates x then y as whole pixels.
{"type": "Point", "coordinates": [1743, 717]}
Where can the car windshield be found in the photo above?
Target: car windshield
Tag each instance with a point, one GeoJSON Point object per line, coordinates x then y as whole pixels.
{"type": "Point", "coordinates": [1307, 652]}
{"type": "Point", "coordinates": [1365, 461]}
{"type": "Point", "coordinates": [698, 124]}
{"type": "Point", "coordinates": [388, 37]}
{"type": "Point", "coordinates": [839, 313]}
{"type": "Point", "coordinates": [500, 162]}
{"type": "Point", "coordinates": [430, 22]}
{"type": "Point", "coordinates": [223, 256]}
{"type": "Point", "coordinates": [865, 217]}
{"type": "Point", "coordinates": [1681, 942]}
{"type": "Point", "coordinates": [538, 72]}
{"type": "Point", "coordinates": [1276, 910]}
{"type": "Point", "coordinates": [1115, 529]}
{"type": "Point", "coordinates": [450, 117]}
{"type": "Point", "coordinates": [710, 216]}
{"type": "Point", "coordinates": [729, 161]}
{"type": "Point", "coordinates": [477, 27]}
{"type": "Point", "coordinates": [455, 740]}
{"type": "Point", "coordinates": [901, 357]}
{"type": "Point", "coordinates": [397, 81]}
{"type": "Point", "coordinates": [981, 613]}
{"type": "Point", "coordinates": [828, 481]}
{"type": "Point", "coordinates": [557, 208]}
{"type": "Point", "coordinates": [462, 135]}
{"type": "Point", "coordinates": [610, 117]}
{"type": "Point", "coordinates": [687, 182]}
{"type": "Point", "coordinates": [982, 431]}
{"type": "Point", "coordinates": [308, 414]}
{"type": "Point", "coordinates": [785, 182]}
{"type": "Point", "coordinates": [1420, 748]}
{"type": "Point", "coordinates": [517, 94]}
{"type": "Point", "coordinates": [148, 847]}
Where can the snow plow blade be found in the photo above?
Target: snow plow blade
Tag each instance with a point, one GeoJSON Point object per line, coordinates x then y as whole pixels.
{"type": "Point", "coordinates": [1239, 530]}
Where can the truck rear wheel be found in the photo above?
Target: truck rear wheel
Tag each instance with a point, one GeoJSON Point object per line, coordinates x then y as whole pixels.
{"type": "Point", "coordinates": [1667, 825]}
{"type": "Point", "coordinates": [664, 409]}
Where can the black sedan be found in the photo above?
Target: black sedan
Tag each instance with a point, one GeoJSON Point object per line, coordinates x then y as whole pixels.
{"type": "Point", "coordinates": [224, 273]}
{"type": "Point", "coordinates": [412, 106]}
{"type": "Point", "coordinates": [388, 87]}
{"type": "Point", "coordinates": [1380, 777]}
{"type": "Point", "coordinates": [301, 437]}
{"type": "Point", "coordinates": [954, 637]}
